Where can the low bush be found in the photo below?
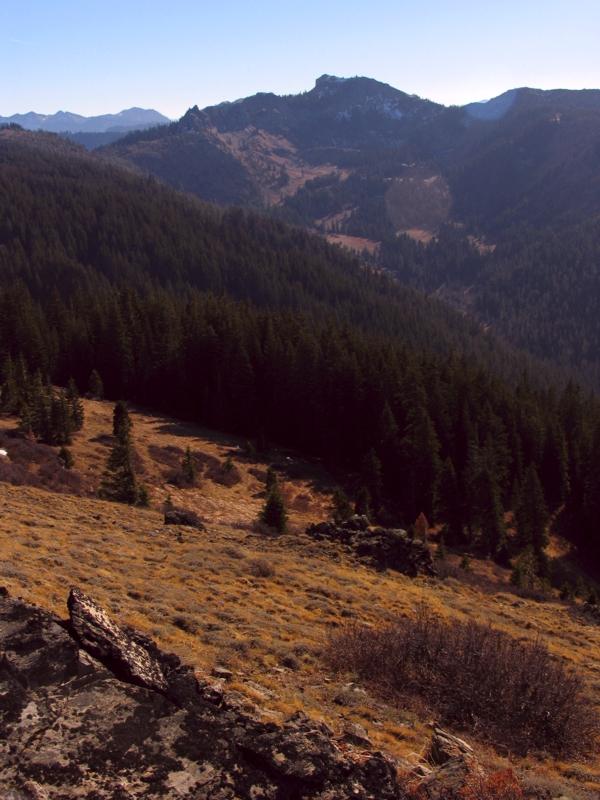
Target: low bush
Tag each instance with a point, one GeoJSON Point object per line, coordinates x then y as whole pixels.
{"type": "Point", "coordinates": [30, 463]}
{"type": "Point", "coordinates": [225, 473]}
{"type": "Point", "coordinates": [498, 786]}
{"type": "Point", "coordinates": [502, 785]}
{"type": "Point", "coordinates": [475, 677]}
{"type": "Point", "coordinates": [261, 568]}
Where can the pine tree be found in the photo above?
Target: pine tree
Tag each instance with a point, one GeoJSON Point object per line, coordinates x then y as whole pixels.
{"type": "Point", "coordinates": [372, 478]}
{"type": "Point", "coordinates": [531, 515]}
{"type": "Point", "coordinates": [342, 509]}
{"type": "Point", "coordinates": [76, 406]}
{"type": "Point", "coordinates": [420, 464]}
{"type": "Point", "coordinates": [189, 470]}
{"type": "Point", "coordinates": [95, 385]}
{"type": "Point", "coordinates": [61, 424]}
{"type": "Point", "coordinates": [362, 502]}
{"type": "Point", "coordinates": [66, 458]}
{"type": "Point", "coordinates": [450, 505]}
{"type": "Point", "coordinates": [36, 408]}
{"type": "Point", "coordinates": [274, 512]}
{"type": "Point", "coordinates": [441, 553]}
{"type": "Point", "coordinates": [270, 480]}
{"type": "Point", "coordinates": [122, 423]}
{"type": "Point", "coordinates": [11, 393]}
{"type": "Point", "coordinates": [119, 482]}
{"type": "Point", "coordinates": [490, 514]}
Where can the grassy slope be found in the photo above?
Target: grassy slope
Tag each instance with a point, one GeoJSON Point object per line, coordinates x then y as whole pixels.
{"type": "Point", "coordinates": [198, 593]}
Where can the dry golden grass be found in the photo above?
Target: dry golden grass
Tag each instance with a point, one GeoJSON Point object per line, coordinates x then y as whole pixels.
{"type": "Point", "coordinates": [203, 594]}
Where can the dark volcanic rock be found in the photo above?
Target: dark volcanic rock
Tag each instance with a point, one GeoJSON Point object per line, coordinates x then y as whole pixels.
{"type": "Point", "coordinates": [89, 709]}
{"type": "Point", "coordinates": [383, 548]}
{"type": "Point", "coordinates": [182, 516]}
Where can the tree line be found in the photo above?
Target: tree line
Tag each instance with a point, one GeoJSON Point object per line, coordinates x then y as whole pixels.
{"type": "Point", "coordinates": [414, 432]}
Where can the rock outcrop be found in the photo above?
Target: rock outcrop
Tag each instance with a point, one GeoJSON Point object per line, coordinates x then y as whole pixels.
{"type": "Point", "coordinates": [382, 548]}
{"type": "Point", "coordinates": [450, 765]}
{"type": "Point", "coordinates": [183, 516]}
{"type": "Point", "coordinates": [91, 709]}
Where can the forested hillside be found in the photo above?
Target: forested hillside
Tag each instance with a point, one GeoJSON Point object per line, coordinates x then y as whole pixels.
{"type": "Point", "coordinates": [254, 327]}
{"type": "Point", "coordinates": [507, 192]}
{"type": "Point", "coordinates": [538, 289]}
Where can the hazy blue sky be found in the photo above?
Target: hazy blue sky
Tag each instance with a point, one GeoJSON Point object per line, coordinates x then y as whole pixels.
{"type": "Point", "coordinates": [98, 56]}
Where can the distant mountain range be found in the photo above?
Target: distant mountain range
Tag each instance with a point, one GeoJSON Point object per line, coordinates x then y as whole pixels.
{"type": "Point", "coordinates": [67, 122]}
{"type": "Point", "coordinates": [358, 158]}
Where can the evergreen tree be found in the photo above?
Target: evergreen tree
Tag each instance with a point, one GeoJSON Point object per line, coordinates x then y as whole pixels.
{"type": "Point", "coordinates": [372, 479]}
{"type": "Point", "coordinates": [95, 385]}
{"type": "Point", "coordinates": [274, 512]}
{"type": "Point", "coordinates": [122, 423]}
{"type": "Point", "coordinates": [119, 482]}
{"type": "Point", "coordinates": [66, 458]}
{"type": "Point", "coordinates": [490, 514]}
{"type": "Point", "coordinates": [362, 502]}
{"type": "Point", "coordinates": [61, 421]}
{"type": "Point", "coordinates": [189, 470]}
{"type": "Point", "coordinates": [525, 570]}
{"type": "Point", "coordinates": [450, 505]}
{"type": "Point", "coordinates": [421, 465]}
{"type": "Point", "coordinates": [36, 408]}
{"type": "Point", "coordinates": [531, 516]}
{"type": "Point", "coordinates": [76, 405]}
{"type": "Point", "coordinates": [270, 480]}
{"type": "Point", "coordinates": [342, 509]}
{"type": "Point", "coordinates": [441, 553]}
{"type": "Point", "coordinates": [10, 392]}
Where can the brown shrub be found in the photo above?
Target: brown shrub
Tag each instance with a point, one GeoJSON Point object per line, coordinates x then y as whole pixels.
{"type": "Point", "coordinates": [225, 473]}
{"type": "Point", "coordinates": [475, 677]}
{"type": "Point", "coordinates": [498, 786]}
{"type": "Point", "coordinates": [261, 568]}
{"type": "Point", "coordinates": [502, 785]}
{"type": "Point", "coordinates": [31, 463]}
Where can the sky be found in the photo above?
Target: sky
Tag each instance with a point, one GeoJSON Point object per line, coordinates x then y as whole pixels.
{"type": "Point", "coordinates": [100, 56]}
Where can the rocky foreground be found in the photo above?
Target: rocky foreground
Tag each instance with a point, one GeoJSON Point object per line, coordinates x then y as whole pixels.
{"type": "Point", "coordinates": [92, 710]}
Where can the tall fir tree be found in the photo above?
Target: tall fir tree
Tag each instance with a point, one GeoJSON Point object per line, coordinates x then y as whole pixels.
{"type": "Point", "coordinates": [450, 505]}
{"type": "Point", "coordinates": [531, 515]}
{"type": "Point", "coordinates": [119, 482]}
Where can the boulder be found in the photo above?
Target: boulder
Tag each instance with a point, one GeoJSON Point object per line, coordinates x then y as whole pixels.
{"type": "Point", "coordinates": [389, 548]}
{"type": "Point", "coordinates": [450, 764]}
{"type": "Point", "coordinates": [89, 708]}
{"type": "Point", "coordinates": [382, 548]}
{"type": "Point", "coordinates": [183, 516]}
